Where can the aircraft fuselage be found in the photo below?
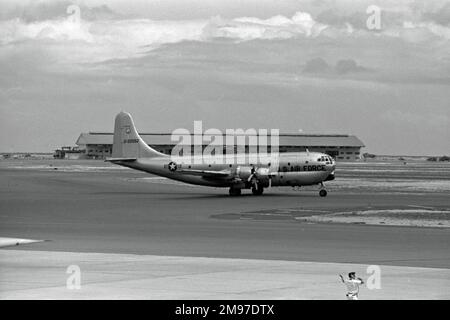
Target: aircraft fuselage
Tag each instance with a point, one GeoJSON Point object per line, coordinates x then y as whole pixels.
{"type": "Point", "coordinates": [292, 169]}
{"type": "Point", "coordinates": [236, 171]}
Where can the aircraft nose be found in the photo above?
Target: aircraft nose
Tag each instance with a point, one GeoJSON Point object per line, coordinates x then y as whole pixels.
{"type": "Point", "coordinates": [330, 175]}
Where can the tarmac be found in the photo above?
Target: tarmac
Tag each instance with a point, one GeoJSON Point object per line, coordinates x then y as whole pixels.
{"type": "Point", "coordinates": [134, 235]}
{"type": "Point", "coordinates": [127, 276]}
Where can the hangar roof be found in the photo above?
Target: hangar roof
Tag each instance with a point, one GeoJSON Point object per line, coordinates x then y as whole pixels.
{"type": "Point", "coordinates": [286, 139]}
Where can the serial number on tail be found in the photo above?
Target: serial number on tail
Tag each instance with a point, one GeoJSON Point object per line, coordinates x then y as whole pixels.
{"type": "Point", "coordinates": [131, 141]}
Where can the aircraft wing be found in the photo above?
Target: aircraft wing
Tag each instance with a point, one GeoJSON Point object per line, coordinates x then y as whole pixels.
{"type": "Point", "coordinates": [9, 242]}
{"type": "Point", "coordinates": [119, 159]}
{"type": "Point", "coordinates": [206, 173]}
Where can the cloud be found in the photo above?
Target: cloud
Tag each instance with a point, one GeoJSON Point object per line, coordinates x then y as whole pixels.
{"type": "Point", "coordinates": [300, 23]}
{"type": "Point", "coordinates": [52, 10]}
{"type": "Point", "coordinates": [333, 18]}
{"type": "Point", "coordinates": [15, 31]}
{"type": "Point", "coordinates": [419, 120]}
{"type": "Point", "coordinates": [88, 41]}
{"type": "Point", "coordinates": [100, 34]}
{"type": "Point", "coordinates": [420, 32]}
{"type": "Point", "coordinates": [127, 38]}
{"type": "Point", "coordinates": [440, 16]}
{"type": "Point", "coordinates": [56, 71]}
{"type": "Point", "coordinates": [250, 28]}
{"type": "Point", "coordinates": [413, 21]}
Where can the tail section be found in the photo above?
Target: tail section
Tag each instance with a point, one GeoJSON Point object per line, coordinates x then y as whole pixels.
{"type": "Point", "coordinates": [127, 144]}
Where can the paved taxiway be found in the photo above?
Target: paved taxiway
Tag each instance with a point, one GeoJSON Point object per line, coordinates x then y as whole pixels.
{"type": "Point", "coordinates": [128, 276]}
{"type": "Point", "coordinates": [93, 207]}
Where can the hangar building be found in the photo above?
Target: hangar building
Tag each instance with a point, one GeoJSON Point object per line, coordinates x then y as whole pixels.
{"type": "Point", "coordinates": [98, 145]}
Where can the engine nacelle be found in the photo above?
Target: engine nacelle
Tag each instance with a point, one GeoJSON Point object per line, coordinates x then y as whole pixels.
{"type": "Point", "coordinates": [261, 174]}
{"type": "Point", "coordinates": [244, 172]}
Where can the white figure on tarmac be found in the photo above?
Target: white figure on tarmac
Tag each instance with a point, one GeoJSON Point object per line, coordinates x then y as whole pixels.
{"type": "Point", "coordinates": [352, 284]}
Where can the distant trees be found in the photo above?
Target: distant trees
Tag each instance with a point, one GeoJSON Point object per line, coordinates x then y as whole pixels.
{"type": "Point", "coordinates": [369, 155]}
{"type": "Point", "coordinates": [443, 158]}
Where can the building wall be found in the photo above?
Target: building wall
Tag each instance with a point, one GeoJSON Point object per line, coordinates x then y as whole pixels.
{"type": "Point", "coordinates": [98, 151]}
{"type": "Point", "coordinates": [74, 155]}
{"type": "Point", "coordinates": [93, 151]}
{"type": "Point", "coordinates": [340, 153]}
{"type": "Point", "coordinates": [349, 154]}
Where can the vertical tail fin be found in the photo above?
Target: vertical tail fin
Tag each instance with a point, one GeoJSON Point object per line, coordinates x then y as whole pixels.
{"type": "Point", "coordinates": [127, 143]}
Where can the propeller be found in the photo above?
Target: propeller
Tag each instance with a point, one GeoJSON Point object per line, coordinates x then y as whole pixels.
{"type": "Point", "coordinates": [253, 178]}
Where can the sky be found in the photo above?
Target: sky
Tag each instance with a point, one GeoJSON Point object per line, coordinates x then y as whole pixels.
{"type": "Point", "coordinates": [316, 66]}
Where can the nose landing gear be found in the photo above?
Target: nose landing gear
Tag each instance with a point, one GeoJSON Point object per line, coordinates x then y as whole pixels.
{"type": "Point", "coordinates": [322, 192]}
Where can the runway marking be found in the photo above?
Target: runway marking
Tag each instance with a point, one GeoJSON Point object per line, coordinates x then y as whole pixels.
{"type": "Point", "coordinates": [418, 216]}
{"type": "Point", "coordinates": [151, 178]}
{"type": "Point", "coordinates": [394, 217]}
{"type": "Point", "coordinates": [413, 206]}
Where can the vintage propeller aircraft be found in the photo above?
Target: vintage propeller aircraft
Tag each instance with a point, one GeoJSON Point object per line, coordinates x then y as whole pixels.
{"type": "Point", "coordinates": [293, 169]}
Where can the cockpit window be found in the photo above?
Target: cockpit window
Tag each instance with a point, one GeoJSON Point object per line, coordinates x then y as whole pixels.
{"type": "Point", "coordinates": [325, 159]}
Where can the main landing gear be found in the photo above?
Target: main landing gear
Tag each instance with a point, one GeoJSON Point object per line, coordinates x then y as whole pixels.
{"type": "Point", "coordinates": [323, 192]}
{"type": "Point", "coordinates": [235, 191]}
{"type": "Point", "coordinates": [257, 190]}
